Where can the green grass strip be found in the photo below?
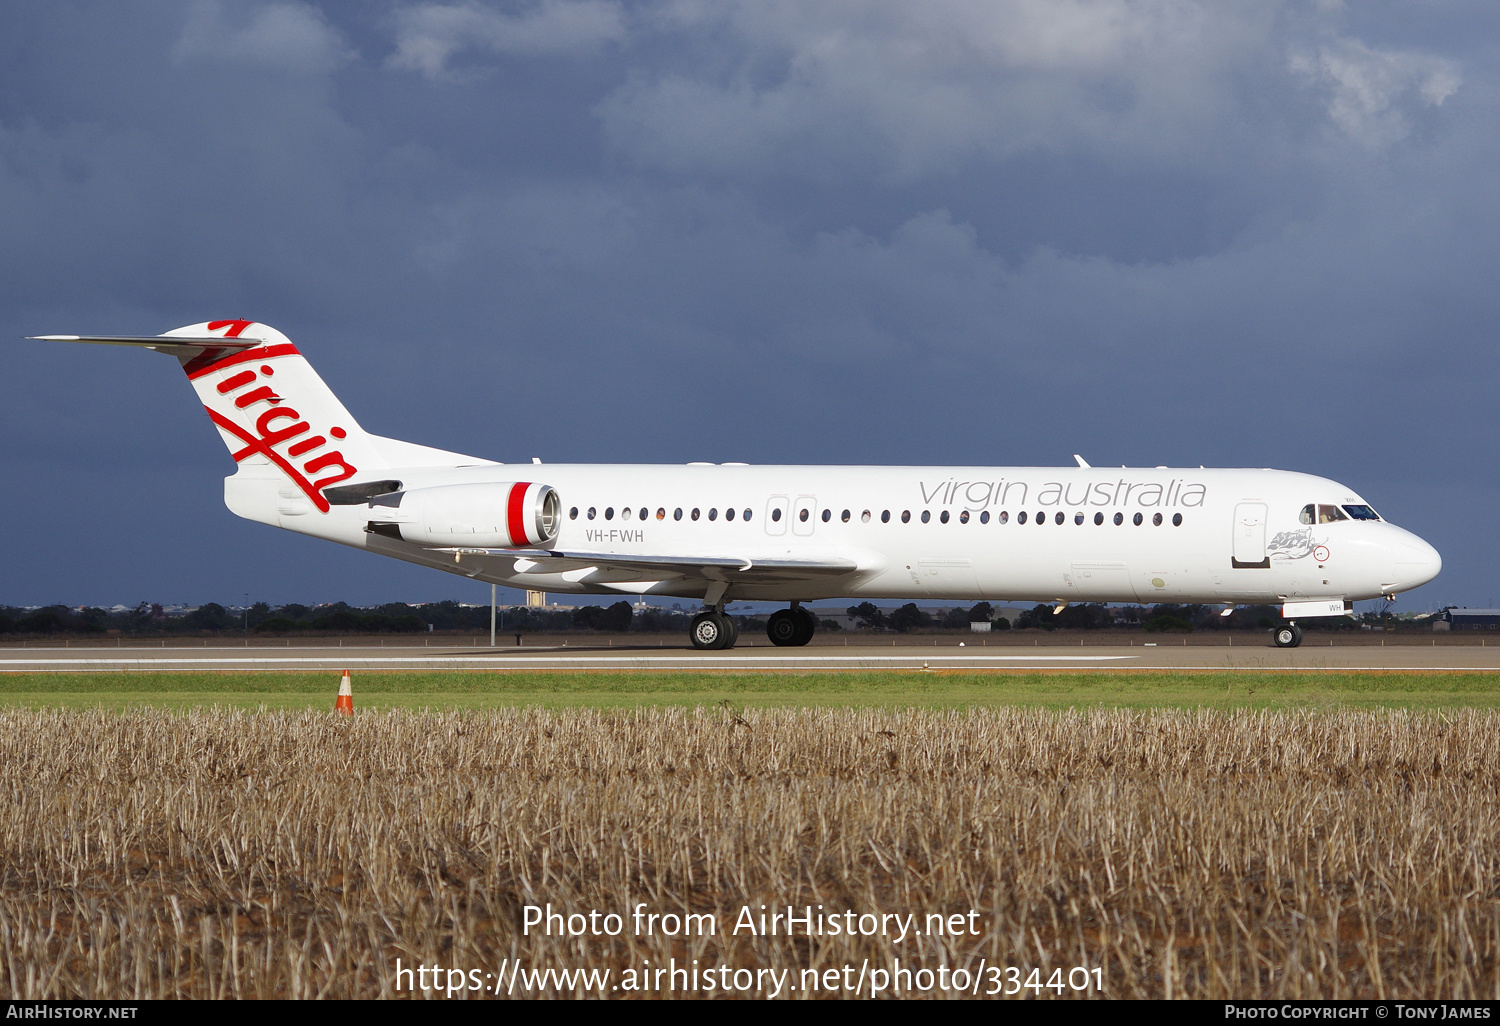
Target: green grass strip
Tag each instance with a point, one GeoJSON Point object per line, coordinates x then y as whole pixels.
{"type": "Point", "coordinates": [943, 689]}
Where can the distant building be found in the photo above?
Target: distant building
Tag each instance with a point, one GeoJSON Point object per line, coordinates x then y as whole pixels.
{"type": "Point", "coordinates": [1467, 620]}
{"type": "Point", "coordinates": [536, 599]}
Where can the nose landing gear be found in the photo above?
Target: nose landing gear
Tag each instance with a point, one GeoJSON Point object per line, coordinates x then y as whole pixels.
{"type": "Point", "coordinates": [1288, 635]}
{"type": "Point", "coordinates": [788, 627]}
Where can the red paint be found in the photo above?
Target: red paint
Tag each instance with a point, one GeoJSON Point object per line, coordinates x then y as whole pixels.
{"type": "Point", "coordinates": [196, 369]}
{"type": "Point", "coordinates": [257, 445]}
{"type": "Point", "coordinates": [263, 425]}
{"type": "Point", "coordinates": [515, 513]}
{"type": "Point", "coordinates": [338, 432]}
{"type": "Point", "coordinates": [332, 459]}
{"type": "Point", "coordinates": [235, 327]}
{"type": "Point", "coordinates": [257, 395]}
{"type": "Point", "coordinates": [307, 445]}
{"type": "Point", "coordinates": [202, 361]}
{"type": "Point", "coordinates": [240, 380]}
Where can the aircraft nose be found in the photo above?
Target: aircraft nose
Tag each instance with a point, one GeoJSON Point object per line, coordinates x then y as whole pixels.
{"type": "Point", "coordinates": [1416, 563]}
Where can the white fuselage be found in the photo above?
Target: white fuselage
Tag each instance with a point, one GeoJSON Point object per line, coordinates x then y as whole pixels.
{"type": "Point", "coordinates": [784, 533]}
{"type": "Point", "coordinates": [942, 533]}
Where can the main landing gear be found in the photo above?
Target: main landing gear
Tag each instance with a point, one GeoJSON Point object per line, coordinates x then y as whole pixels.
{"type": "Point", "coordinates": [714, 629]}
{"type": "Point", "coordinates": [1288, 635]}
{"type": "Point", "coordinates": [794, 626]}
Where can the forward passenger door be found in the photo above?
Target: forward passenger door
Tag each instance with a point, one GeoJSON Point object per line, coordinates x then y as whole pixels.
{"type": "Point", "coordinates": [1250, 537]}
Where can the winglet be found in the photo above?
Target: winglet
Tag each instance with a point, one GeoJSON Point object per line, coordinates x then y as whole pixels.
{"type": "Point", "coordinates": [1082, 462]}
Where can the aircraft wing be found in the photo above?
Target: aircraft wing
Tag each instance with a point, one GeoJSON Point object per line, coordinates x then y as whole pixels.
{"type": "Point", "coordinates": [625, 567]}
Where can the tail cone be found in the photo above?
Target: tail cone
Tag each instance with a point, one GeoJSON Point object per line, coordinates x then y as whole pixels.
{"type": "Point", "coordinates": [345, 704]}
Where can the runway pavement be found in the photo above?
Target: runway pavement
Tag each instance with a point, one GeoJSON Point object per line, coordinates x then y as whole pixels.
{"type": "Point", "coordinates": [946, 655]}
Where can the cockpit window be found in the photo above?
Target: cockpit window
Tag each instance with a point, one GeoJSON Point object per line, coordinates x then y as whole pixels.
{"type": "Point", "coordinates": [1329, 514]}
{"type": "Point", "coordinates": [1309, 514]}
{"type": "Point", "coordinates": [1361, 513]}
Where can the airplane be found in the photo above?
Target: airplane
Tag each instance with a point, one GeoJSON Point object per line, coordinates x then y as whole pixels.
{"type": "Point", "coordinates": [790, 534]}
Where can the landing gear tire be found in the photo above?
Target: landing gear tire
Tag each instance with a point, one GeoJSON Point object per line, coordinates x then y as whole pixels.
{"type": "Point", "coordinates": [1288, 636]}
{"type": "Point", "coordinates": [809, 625]}
{"type": "Point", "coordinates": [733, 627]}
{"type": "Point", "coordinates": [711, 631]}
{"type": "Point", "coordinates": [784, 627]}
{"type": "Point", "coordinates": [791, 627]}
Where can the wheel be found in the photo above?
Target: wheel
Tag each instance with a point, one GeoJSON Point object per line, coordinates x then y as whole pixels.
{"type": "Point", "coordinates": [708, 631]}
{"type": "Point", "coordinates": [1288, 636]}
{"type": "Point", "coordinates": [783, 627]}
{"type": "Point", "coordinates": [732, 629]}
{"type": "Point", "coordinates": [809, 625]}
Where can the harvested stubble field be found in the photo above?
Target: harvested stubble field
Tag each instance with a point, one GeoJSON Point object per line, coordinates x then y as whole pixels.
{"type": "Point", "coordinates": [1183, 853]}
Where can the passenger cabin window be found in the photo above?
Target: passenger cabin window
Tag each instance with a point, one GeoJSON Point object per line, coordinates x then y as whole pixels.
{"type": "Point", "coordinates": [747, 513]}
{"type": "Point", "coordinates": [775, 515]}
{"type": "Point", "coordinates": [1021, 517]}
{"type": "Point", "coordinates": [1330, 514]}
{"type": "Point", "coordinates": [729, 514]}
{"type": "Point", "coordinates": [1361, 513]}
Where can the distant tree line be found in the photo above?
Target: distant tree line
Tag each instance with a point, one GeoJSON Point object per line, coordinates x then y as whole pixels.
{"type": "Point", "coordinates": [149, 619]}
{"type": "Point", "coordinates": [1161, 617]}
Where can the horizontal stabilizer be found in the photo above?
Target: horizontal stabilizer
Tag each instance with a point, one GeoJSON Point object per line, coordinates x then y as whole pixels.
{"type": "Point", "coordinates": [175, 345]}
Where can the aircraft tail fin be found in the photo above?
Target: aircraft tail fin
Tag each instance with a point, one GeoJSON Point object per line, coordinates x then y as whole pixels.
{"type": "Point", "coordinates": [271, 407]}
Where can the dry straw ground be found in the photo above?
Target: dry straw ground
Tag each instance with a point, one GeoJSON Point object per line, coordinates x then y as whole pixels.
{"type": "Point", "coordinates": [1196, 854]}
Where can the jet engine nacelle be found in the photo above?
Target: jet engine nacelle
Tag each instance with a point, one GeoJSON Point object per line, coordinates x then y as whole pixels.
{"type": "Point", "coordinates": [504, 515]}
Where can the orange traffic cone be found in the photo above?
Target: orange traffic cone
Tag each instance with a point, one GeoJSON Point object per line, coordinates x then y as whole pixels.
{"type": "Point", "coordinates": [345, 704]}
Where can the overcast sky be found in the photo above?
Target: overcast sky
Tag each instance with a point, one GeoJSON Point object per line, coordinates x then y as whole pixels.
{"type": "Point", "coordinates": [994, 232]}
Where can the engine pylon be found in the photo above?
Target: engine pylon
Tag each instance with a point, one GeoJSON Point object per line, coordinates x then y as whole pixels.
{"type": "Point", "coordinates": [344, 705]}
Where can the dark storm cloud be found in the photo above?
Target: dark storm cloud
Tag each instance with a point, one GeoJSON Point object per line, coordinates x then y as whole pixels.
{"type": "Point", "coordinates": [1152, 232]}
